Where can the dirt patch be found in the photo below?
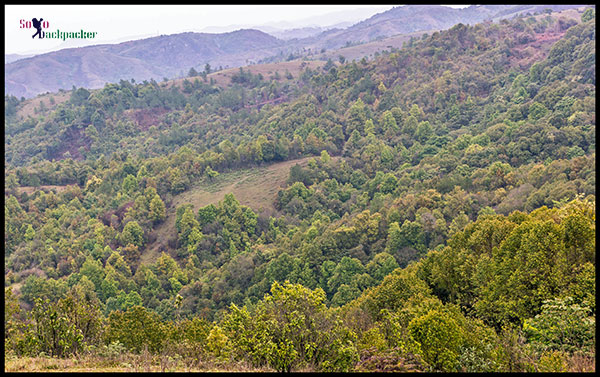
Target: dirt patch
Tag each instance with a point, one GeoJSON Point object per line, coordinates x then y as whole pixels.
{"type": "Point", "coordinates": [145, 118]}
{"type": "Point", "coordinates": [70, 141]}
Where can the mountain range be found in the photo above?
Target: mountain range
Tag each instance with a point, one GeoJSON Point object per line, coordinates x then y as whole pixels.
{"type": "Point", "coordinates": [173, 55]}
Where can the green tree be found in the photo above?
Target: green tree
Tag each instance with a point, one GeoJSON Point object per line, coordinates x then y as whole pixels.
{"type": "Point", "coordinates": [292, 328]}
{"type": "Point", "coordinates": [381, 265]}
{"type": "Point", "coordinates": [54, 334]}
{"type": "Point", "coordinates": [440, 339]}
{"type": "Point", "coordinates": [588, 15]}
{"type": "Point", "coordinates": [345, 272]}
{"type": "Point", "coordinates": [157, 210]}
{"type": "Point", "coordinates": [130, 184]}
{"type": "Point", "coordinates": [325, 157]}
{"type": "Point", "coordinates": [210, 173]}
{"type": "Point", "coordinates": [186, 225]}
{"type": "Point", "coordinates": [132, 234]}
{"type": "Point", "coordinates": [207, 214]}
{"type": "Point", "coordinates": [137, 328]}
{"type": "Point", "coordinates": [562, 325]}
{"type": "Point", "coordinates": [356, 118]}
{"type": "Point", "coordinates": [29, 233]}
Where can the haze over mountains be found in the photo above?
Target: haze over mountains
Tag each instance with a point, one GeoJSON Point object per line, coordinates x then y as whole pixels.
{"type": "Point", "coordinates": [173, 55]}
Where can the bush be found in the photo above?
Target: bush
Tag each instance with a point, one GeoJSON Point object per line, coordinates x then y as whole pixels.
{"type": "Point", "coordinates": [137, 328]}
{"type": "Point", "coordinates": [562, 326]}
{"type": "Point", "coordinates": [290, 329]}
{"type": "Point", "coordinates": [440, 339]}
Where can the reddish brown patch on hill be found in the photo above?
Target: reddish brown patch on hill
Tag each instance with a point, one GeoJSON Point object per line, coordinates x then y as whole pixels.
{"type": "Point", "coordinates": [145, 118]}
{"type": "Point", "coordinates": [71, 141]}
{"type": "Point", "coordinates": [119, 213]}
{"type": "Point", "coordinates": [524, 55]}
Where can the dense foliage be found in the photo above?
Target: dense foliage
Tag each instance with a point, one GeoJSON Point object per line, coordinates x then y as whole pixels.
{"type": "Point", "coordinates": [446, 220]}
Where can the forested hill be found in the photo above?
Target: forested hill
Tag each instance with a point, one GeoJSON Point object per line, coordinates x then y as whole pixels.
{"type": "Point", "coordinates": [172, 56]}
{"type": "Point", "coordinates": [157, 57]}
{"type": "Point", "coordinates": [407, 19]}
{"type": "Point", "coordinates": [441, 216]}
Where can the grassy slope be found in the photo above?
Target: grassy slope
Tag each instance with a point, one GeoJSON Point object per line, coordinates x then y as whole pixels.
{"type": "Point", "coordinates": [27, 108]}
{"type": "Point", "coordinates": [255, 187]}
{"type": "Point", "coordinates": [223, 78]}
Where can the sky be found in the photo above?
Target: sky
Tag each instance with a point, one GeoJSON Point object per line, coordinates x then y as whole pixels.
{"type": "Point", "coordinates": [118, 23]}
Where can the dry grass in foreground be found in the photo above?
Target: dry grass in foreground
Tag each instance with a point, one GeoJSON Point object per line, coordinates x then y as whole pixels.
{"type": "Point", "coordinates": [121, 363]}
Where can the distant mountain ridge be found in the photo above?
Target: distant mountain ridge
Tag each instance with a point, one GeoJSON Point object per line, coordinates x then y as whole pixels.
{"type": "Point", "coordinates": [411, 18]}
{"type": "Point", "coordinates": [9, 58]}
{"type": "Point", "coordinates": [173, 55]}
{"type": "Point", "coordinates": [156, 57]}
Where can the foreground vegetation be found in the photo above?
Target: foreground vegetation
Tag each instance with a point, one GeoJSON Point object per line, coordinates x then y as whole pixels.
{"type": "Point", "coordinates": [443, 218]}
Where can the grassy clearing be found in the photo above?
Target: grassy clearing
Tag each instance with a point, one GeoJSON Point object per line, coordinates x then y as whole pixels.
{"type": "Point", "coordinates": [28, 107]}
{"type": "Point", "coordinates": [255, 187]}
{"type": "Point", "coordinates": [223, 78]}
{"type": "Point", "coordinates": [30, 189]}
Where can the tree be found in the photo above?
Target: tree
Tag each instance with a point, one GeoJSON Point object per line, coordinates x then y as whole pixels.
{"type": "Point", "coordinates": [325, 157]}
{"type": "Point", "coordinates": [381, 265]}
{"type": "Point", "coordinates": [157, 210]}
{"type": "Point", "coordinates": [93, 270]}
{"type": "Point", "coordinates": [29, 233]}
{"type": "Point", "coordinates": [356, 118]}
{"type": "Point", "coordinates": [562, 325]}
{"type": "Point", "coordinates": [137, 328]}
{"type": "Point", "coordinates": [186, 226]}
{"type": "Point", "coordinates": [345, 272]}
{"type": "Point", "coordinates": [132, 234]}
{"type": "Point", "coordinates": [192, 72]}
{"type": "Point", "coordinates": [423, 132]}
{"type": "Point", "coordinates": [588, 15]}
{"type": "Point", "coordinates": [439, 337]}
{"type": "Point", "coordinates": [210, 173]}
{"type": "Point", "coordinates": [207, 214]}
{"type": "Point", "coordinates": [130, 184]}
{"type": "Point", "coordinates": [292, 328]}
{"type": "Point", "coordinates": [54, 333]}
{"type": "Point", "coordinates": [388, 123]}
{"type": "Point", "coordinates": [18, 333]}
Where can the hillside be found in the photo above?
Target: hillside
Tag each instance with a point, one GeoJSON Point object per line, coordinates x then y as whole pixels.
{"type": "Point", "coordinates": [418, 18]}
{"type": "Point", "coordinates": [255, 187]}
{"type": "Point", "coordinates": [430, 209]}
{"type": "Point", "coordinates": [172, 56]}
{"type": "Point", "coordinates": [157, 57]}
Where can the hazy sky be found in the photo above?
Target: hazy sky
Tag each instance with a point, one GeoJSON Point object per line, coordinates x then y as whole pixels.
{"type": "Point", "coordinates": [117, 23]}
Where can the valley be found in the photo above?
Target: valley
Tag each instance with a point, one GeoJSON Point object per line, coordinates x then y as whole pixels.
{"type": "Point", "coordinates": [414, 192]}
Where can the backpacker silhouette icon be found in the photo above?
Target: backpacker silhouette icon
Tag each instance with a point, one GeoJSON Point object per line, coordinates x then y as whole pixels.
{"type": "Point", "coordinates": [38, 25]}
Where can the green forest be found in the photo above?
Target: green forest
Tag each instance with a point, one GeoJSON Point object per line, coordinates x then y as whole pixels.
{"type": "Point", "coordinates": [442, 218]}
